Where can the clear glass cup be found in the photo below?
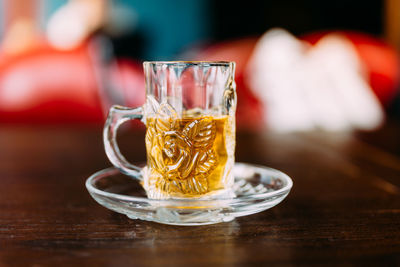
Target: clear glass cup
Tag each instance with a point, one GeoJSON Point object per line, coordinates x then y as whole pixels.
{"type": "Point", "coordinates": [189, 115]}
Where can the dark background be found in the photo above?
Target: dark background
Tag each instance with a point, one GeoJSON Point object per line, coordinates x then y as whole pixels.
{"type": "Point", "coordinates": [233, 19]}
{"type": "Point", "coordinates": [201, 22]}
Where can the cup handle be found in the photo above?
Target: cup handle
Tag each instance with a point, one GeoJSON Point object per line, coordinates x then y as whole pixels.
{"type": "Point", "coordinates": [117, 116]}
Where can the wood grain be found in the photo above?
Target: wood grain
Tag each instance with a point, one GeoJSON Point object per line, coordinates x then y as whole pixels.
{"type": "Point", "coordinates": [344, 207]}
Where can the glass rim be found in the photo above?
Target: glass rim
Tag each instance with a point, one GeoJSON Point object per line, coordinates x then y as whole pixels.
{"type": "Point", "coordinates": [218, 63]}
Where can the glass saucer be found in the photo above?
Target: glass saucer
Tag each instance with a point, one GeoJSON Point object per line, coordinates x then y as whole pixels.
{"type": "Point", "coordinates": [257, 188]}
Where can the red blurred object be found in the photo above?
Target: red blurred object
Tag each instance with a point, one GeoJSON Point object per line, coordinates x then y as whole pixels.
{"type": "Point", "coordinates": [381, 60]}
{"type": "Point", "coordinates": [249, 109]}
{"type": "Point", "coordinates": [47, 86]}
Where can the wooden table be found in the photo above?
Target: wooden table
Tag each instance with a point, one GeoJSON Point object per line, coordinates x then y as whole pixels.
{"type": "Point", "coordinates": [344, 207]}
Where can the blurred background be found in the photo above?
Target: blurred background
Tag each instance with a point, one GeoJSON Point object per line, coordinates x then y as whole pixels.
{"type": "Point", "coordinates": [301, 65]}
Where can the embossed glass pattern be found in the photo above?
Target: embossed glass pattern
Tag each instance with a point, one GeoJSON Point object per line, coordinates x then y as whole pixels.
{"type": "Point", "coordinates": [190, 138]}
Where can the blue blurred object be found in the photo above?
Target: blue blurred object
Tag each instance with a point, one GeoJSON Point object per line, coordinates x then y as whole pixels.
{"type": "Point", "coordinates": [170, 26]}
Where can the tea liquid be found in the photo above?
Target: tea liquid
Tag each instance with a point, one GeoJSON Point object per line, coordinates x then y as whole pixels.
{"type": "Point", "coordinates": [189, 157]}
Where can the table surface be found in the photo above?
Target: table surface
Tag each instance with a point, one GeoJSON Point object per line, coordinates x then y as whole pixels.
{"type": "Point", "coordinates": [344, 207]}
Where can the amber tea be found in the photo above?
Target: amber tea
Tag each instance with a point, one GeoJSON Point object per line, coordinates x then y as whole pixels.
{"type": "Point", "coordinates": [190, 139]}
{"type": "Point", "coordinates": [189, 157]}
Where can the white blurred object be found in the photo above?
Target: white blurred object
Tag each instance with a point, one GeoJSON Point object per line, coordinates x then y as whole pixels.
{"type": "Point", "coordinates": [74, 22]}
{"type": "Point", "coordinates": [68, 27]}
{"type": "Point", "coordinates": [307, 87]}
{"type": "Point", "coordinates": [77, 19]}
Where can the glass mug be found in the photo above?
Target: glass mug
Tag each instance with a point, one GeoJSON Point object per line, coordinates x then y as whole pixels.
{"type": "Point", "coordinates": [189, 115]}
